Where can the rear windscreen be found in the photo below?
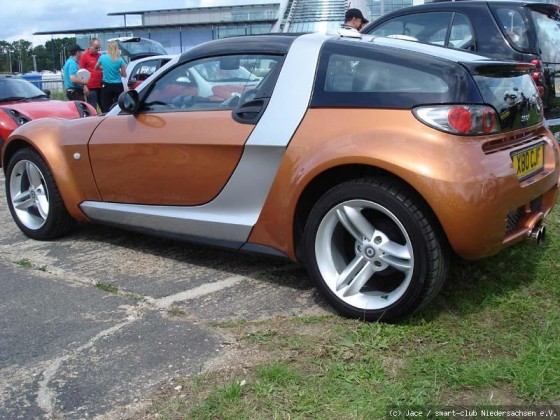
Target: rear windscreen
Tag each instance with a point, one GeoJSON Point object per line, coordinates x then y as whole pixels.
{"type": "Point", "coordinates": [548, 34]}
{"type": "Point", "coordinates": [142, 47]}
{"type": "Point", "coordinates": [514, 97]}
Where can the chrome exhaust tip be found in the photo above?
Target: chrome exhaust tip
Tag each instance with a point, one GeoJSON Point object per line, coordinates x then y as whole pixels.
{"type": "Point", "coordinates": [537, 234]}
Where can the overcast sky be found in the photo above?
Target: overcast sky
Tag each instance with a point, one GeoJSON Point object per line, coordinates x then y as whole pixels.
{"type": "Point", "coordinates": [19, 19]}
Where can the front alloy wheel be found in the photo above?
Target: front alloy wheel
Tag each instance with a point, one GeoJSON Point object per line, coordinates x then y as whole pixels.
{"type": "Point", "coordinates": [29, 195]}
{"type": "Point", "coordinates": [33, 197]}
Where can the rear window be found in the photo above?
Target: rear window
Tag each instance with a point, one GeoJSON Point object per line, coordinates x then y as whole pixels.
{"type": "Point", "coordinates": [514, 97]}
{"type": "Point", "coordinates": [513, 26]}
{"type": "Point", "coordinates": [548, 33]}
{"type": "Point", "coordinates": [139, 47]}
{"type": "Point", "coordinates": [366, 76]}
{"type": "Point", "coordinates": [347, 73]}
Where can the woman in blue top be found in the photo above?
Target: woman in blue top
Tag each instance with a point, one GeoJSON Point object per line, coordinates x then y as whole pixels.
{"type": "Point", "coordinates": [113, 68]}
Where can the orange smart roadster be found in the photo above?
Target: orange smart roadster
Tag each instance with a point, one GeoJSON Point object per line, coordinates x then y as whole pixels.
{"type": "Point", "coordinates": [367, 159]}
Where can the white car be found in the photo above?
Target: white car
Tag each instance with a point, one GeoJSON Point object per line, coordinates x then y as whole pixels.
{"type": "Point", "coordinates": [139, 70]}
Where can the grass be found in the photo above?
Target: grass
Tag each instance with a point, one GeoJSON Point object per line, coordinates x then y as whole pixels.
{"type": "Point", "coordinates": [26, 263]}
{"type": "Point", "coordinates": [490, 339]}
{"type": "Point", "coordinates": [106, 287]}
{"type": "Point", "coordinates": [59, 96]}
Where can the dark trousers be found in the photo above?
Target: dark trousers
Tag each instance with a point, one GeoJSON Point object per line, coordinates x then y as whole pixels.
{"type": "Point", "coordinates": [110, 94]}
{"type": "Point", "coordinates": [93, 97]}
{"type": "Point", "coordinates": [75, 94]}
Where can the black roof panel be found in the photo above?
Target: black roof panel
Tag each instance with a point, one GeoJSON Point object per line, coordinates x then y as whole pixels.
{"type": "Point", "coordinates": [249, 44]}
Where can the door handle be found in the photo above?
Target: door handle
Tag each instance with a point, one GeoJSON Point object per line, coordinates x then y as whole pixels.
{"type": "Point", "coordinates": [249, 112]}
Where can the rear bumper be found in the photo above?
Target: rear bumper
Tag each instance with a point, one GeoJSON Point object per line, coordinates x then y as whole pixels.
{"type": "Point", "coordinates": [486, 208]}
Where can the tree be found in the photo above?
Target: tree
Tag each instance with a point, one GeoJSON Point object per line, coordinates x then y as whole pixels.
{"type": "Point", "coordinates": [18, 56]}
{"type": "Point", "coordinates": [57, 49]}
{"type": "Point", "coordinates": [6, 52]}
{"type": "Point", "coordinates": [23, 51]}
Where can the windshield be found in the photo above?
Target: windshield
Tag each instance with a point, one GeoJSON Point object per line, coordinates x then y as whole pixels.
{"type": "Point", "coordinates": [18, 89]}
{"type": "Point", "coordinates": [548, 33]}
{"type": "Point", "coordinates": [212, 72]}
{"type": "Point", "coordinates": [515, 98]}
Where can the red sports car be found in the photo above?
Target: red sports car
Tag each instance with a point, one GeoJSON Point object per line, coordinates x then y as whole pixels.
{"type": "Point", "coordinates": [21, 102]}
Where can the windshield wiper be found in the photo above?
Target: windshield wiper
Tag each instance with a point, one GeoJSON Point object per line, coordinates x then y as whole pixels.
{"type": "Point", "coordinates": [42, 95]}
{"type": "Point", "coordinates": [13, 98]}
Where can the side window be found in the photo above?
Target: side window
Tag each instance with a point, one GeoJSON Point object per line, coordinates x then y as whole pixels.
{"type": "Point", "coordinates": [462, 35]}
{"type": "Point", "coordinates": [210, 84]}
{"type": "Point", "coordinates": [513, 26]}
{"type": "Point", "coordinates": [144, 70]}
{"type": "Point", "coordinates": [548, 34]}
{"type": "Point", "coordinates": [424, 27]}
{"type": "Point", "coordinates": [356, 74]}
{"type": "Point", "coordinates": [364, 78]}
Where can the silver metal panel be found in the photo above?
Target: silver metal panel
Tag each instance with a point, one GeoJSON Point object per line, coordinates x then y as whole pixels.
{"type": "Point", "coordinates": [292, 93]}
{"type": "Point", "coordinates": [233, 213]}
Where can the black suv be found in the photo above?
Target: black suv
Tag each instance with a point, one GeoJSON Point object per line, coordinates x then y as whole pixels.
{"type": "Point", "coordinates": [506, 30]}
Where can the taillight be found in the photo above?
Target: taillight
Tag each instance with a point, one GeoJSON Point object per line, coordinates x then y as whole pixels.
{"type": "Point", "coordinates": [538, 76]}
{"type": "Point", "coordinates": [468, 120]}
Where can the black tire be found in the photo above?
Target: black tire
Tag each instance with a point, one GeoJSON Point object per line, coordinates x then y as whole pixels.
{"type": "Point", "coordinates": [36, 206]}
{"type": "Point", "coordinates": [389, 275]}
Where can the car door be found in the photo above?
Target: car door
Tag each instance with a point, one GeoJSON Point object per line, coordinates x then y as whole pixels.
{"type": "Point", "coordinates": [185, 141]}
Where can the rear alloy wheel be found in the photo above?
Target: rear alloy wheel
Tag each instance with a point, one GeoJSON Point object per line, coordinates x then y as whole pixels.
{"type": "Point", "coordinates": [33, 197]}
{"type": "Point", "coordinates": [372, 251]}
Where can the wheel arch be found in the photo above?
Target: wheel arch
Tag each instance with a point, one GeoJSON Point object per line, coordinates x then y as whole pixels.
{"type": "Point", "coordinates": [333, 176]}
{"type": "Point", "coordinates": [12, 147]}
{"type": "Point", "coordinates": [70, 185]}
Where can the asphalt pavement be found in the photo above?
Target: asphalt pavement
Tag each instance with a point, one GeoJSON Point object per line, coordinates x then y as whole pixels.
{"type": "Point", "coordinates": [104, 317]}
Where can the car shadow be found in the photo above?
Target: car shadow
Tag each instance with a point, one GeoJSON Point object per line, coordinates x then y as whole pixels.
{"type": "Point", "coordinates": [262, 267]}
{"type": "Point", "coordinates": [467, 289]}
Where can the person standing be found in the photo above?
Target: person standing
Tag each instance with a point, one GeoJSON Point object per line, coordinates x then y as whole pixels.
{"type": "Point", "coordinates": [75, 87]}
{"type": "Point", "coordinates": [88, 61]}
{"type": "Point", "coordinates": [113, 68]}
{"type": "Point", "coordinates": [354, 19]}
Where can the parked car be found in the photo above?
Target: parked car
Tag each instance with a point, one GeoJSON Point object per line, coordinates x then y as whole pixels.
{"type": "Point", "coordinates": [368, 179]}
{"type": "Point", "coordinates": [139, 70]}
{"type": "Point", "coordinates": [504, 30]}
{"type": "Point", "coordinates": [21, 102]}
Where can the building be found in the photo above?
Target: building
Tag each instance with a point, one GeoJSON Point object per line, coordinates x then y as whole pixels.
{"type": "Point", "coordinates": [179, 29]}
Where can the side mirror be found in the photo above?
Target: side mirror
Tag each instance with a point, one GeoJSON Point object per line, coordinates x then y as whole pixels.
{"type": "Point", "coordinates": [47, 92]}
{"type": "Point", "coordinates": [129, 101]}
